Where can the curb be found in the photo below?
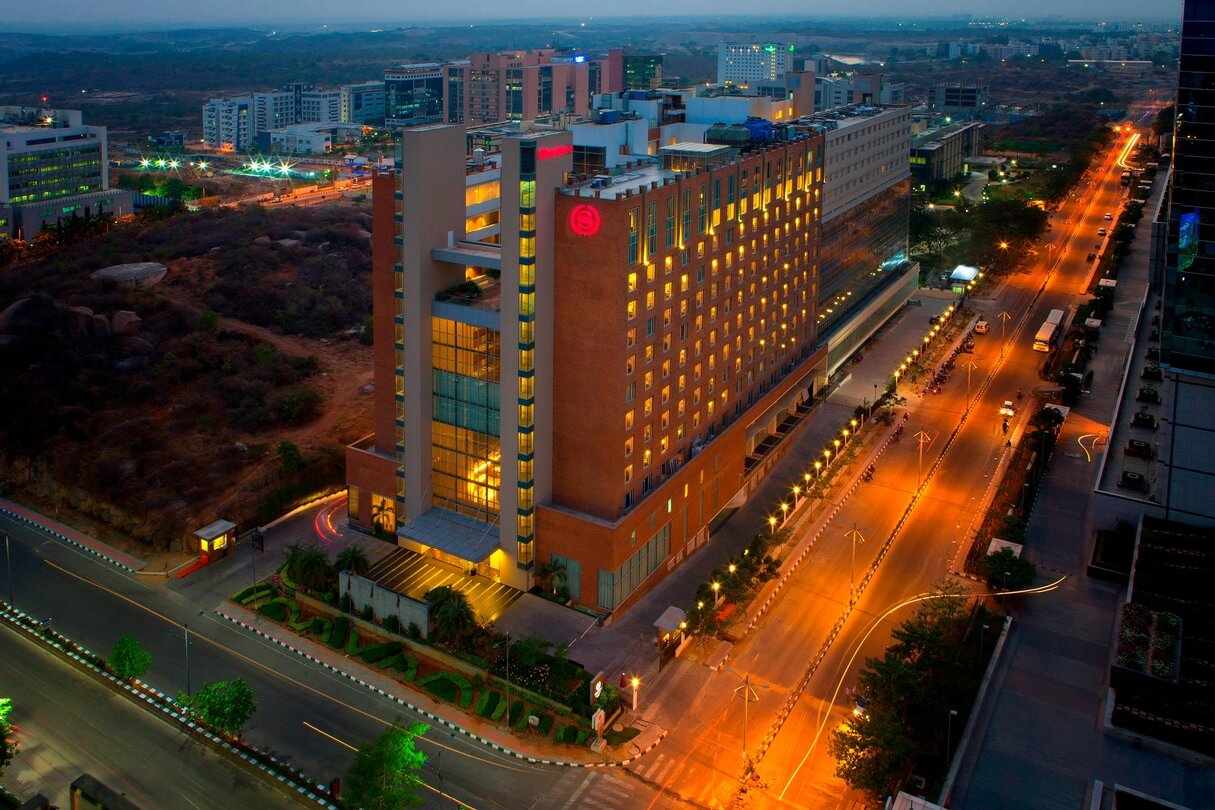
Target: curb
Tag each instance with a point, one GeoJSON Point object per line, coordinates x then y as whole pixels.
{"type": "Point", "coordinates": [163, 704]}
{"type": "Point", "coordinates": [61, 536]}
{"type": "Point", "coordinates": [444, 722]}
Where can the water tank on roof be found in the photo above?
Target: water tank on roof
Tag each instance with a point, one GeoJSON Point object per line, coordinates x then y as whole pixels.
{"type": "Point", "coordinates": [637, 95]}
{"type": "Point", "coordinates": [761, 130]}
{"type": "Point", "coordinates": [728, 135]}
{"type": "Point", "coordinates": [609, 116]}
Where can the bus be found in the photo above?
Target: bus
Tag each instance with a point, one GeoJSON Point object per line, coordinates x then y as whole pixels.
{"type": "Point", "coordinates": [1044, 341]}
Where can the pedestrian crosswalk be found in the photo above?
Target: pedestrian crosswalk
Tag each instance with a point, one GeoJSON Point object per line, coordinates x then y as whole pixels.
{"type": "Point", "coordinates": [595, 790]}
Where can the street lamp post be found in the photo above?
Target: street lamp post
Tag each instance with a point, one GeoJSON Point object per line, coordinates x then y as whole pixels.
{"type": "Point", "coordinates": [507, 642]}
{"type": "Point", "coordinates": [749, 694]}
{"type": "Point", "coordinates": [923, 438]}
{"type": "Point", "coordinates": [855, 534]}
{"type": "Point", "coordinates": [636, 682]}
{"type": "Point", "coordinates": [970, 366]}
{"type": "Point", "coordinates": [716, 593]}
{"type": "Point", "coordinates": [818, 469]}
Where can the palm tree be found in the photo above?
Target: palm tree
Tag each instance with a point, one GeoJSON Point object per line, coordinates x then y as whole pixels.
{"type": "Point", "coordinates": [383, 516]}
{"type": "Point", "coordinates": [451, 614]}
{"type": "Point", "coordinates": [309, 567]}
{"type": "Point", "coordinates": [552, 575]}
{"type": "Point", "coordinates": [353, 559]}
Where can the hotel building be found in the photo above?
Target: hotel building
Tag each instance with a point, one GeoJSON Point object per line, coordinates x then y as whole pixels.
{"type": "Point", "coordinates": [584, 369]}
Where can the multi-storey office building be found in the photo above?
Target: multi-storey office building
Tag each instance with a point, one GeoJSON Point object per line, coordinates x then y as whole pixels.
{"type": "Point", "coordinates": [363, 103]}
{"type": "Point", "coordinates": [413, 95]}
{"type": "Point", "coordinates": [752, 62]}
{"type": "Point", "coordinates": [490, 88]}
{"type": "Point", "coordinates": [955, 99]}
{"type": "Point", "coordinates": [1186, 476]}
{"type": "Point", "coordinates": [228, 124]}
{"type": "Point", "coordinates": [53, 166]}
{"type": "Point", "coordinates": [864, 270]}
{"type": "Point", "coordinates": [631, 347]}
{"type": "Point", "coordinates": [321, 106]}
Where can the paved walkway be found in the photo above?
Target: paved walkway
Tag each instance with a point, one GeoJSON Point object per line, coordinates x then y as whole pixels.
{"type": "Point", "coordinates": [69, 535]}
{"type": "Point", "coordinates": [1040, 740]}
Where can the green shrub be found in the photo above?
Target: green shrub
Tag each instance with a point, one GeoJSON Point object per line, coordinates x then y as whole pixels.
{"type": "Point", "coordinates": [425, 680]}
{"type": "Point", "coordinates": [392, 661]}
{"type": "Point", "coordinates": [392, 624]}
{"type": "Point", "coordinates": [465, 698]}
{"type": "Point", "coordinates": [546, 723]}
{"type": "Point", "coordinates": [458, 680]}
{"type": "Point", "coordinates": [252, 593]}
{"type": "Point", "coordinates": [368, 613]}
{"type": "Point", "coordinates": [337, 635]}
{"type": "Point", "coordinates": [320, 626]}
{"type": "Point", "coordinates": [516, 710]}
{"type": "Point", "coordinates": [377, 652]}
{"type": "Point", "coordinates": [499, 710]}
{"type": "Point", "coordinates": [583, 736]}
{"type": "Point", "coordinates": [484, 706]}
{"type": "Point", "coordinates": [441, 688]}
{"type": "Point", "coordinates": [274, 610]}
{"type": "Point", "coordinates": [521, 725]}
{"type": "Point", "coordinates": [570, 735]}
{"type": "Point", "coordinates": [353, 645]}
{"type": "Point", "coordinates": [474, 659]}
{"type": "Point", "coordinates": [620, 737]}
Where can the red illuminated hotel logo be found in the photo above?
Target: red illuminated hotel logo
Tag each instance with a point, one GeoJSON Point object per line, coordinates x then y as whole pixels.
{"type": "Point", "coordinates": [585, 220]}
{"type": "Point", "coordinates": [550, 152]}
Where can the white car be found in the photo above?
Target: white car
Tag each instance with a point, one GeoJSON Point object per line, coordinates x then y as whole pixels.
{"type": "Point", "coordinates": [1008, 409]}
{"type": "Point", "coordinates": [1108, 216]}
{"type": "Point", "coordinates": [1101, 231]}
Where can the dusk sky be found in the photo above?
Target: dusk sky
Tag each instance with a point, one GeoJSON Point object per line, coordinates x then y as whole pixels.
{"type": "Point", "coordinates": [73, 14]}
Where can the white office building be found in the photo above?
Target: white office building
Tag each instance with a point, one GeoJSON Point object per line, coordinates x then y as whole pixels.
{"type": "Point", "coordinates": [749, 63]}
{"type": "Point", "coordinates": [51, 167]}
{"type": "Point", "coordinates": [320, 107]}
{"type": "Point", "coordinates": [228, 123]}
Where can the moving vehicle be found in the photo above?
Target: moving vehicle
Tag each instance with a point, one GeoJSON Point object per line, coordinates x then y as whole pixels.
{"type": "Point", "coordinates": [1126, 178]}
{"type": "Point", "coordinates": [1108, 216]}
{"type": "Point", "coordinates": [1044, 340]}
{"type": "Point", "coordinates": [981, 328]}
{"type": "Point", "coordinates": [1101, 231]}
{"type": "Point", "coordinates": [1008, 409]}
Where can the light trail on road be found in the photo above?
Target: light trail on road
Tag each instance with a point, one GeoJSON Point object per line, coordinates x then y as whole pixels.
{"type": "Point", "coordinates": [873, 626]}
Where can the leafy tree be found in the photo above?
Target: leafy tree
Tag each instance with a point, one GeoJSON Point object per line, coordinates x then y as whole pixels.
{"type": "Point", "coordinates": [128, 659]}
{"type": "Point", "coordinates": [353, 559]}
{"type": "Point", "coordinates": [385, 773]}
{"type": "Point", "coordinates": [1020, 572]}
{"type": "Point", "coordinates": [8, 735]}
{"type": "Point", "coordinates": [1048, 419]}
{"type": "Point", "coordinates": [552, 575]}
{"type": "Point", "coordinates": [451, 614]}
{"type": "Point", "coordinates": [876, 751]}
{"type": "Point", "coordinates": [530, 650]}
{"type": "Point", "coordinates": [225, 706]}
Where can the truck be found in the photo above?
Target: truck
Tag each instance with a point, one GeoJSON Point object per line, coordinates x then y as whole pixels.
{"type": "Point", "coordinates": [1048, 332]}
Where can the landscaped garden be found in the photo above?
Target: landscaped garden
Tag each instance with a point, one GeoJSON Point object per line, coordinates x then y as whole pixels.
{"type": "Point", "coordinates": [460, 662]}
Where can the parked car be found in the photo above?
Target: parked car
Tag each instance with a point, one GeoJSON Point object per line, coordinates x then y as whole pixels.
{"type": "Point", "coordinates": [981, 327]}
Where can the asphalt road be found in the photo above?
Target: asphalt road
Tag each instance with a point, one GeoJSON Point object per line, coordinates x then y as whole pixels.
{"type": "Point", "coordinates": [95, 604]}
{"type": "Point", "coordinates": [702, 758]}
{"type": "Point", "coordinates": [69, 724]}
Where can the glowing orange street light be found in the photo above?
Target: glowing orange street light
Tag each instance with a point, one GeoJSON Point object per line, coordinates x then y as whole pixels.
{"type": "Point", "coordinates": [635, 682]}
{"type": "Point", "coordinates": [818, 469]}
{"type": "Point", "coordinates": [733, 568]}
{"type": "Point", "coordinates": [771, 521]}
{"type": "Point", "coordinates": [806, 476]}
{"type": "Point", "coordinates": [1003, 246]}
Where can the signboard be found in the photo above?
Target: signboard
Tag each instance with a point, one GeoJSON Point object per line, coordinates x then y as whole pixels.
{"type": "Point", "coordinates": [596, 688]}
{"type": "Point", "coordinates": [550, 152]}
{"type": "Point", "coordinates": [585, 220]}
{"type": "Point", "coordinates": [598, 719]}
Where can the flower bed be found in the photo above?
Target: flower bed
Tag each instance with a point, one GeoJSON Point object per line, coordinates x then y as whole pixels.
{"type": "Point", "coordinates": [1149, 641]}
{"type": "Point", "coordinates": [388, 656]}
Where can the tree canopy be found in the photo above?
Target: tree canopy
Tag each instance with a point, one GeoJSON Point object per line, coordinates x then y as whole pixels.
{"type": "Point", "coordinates": [8, 735]}
{"type": "Point", "coordinates": [225, 706]}
{"type": "Point", "coordinates": [128, 659]}
{"type": "Point", "coordinates": [386, 772]}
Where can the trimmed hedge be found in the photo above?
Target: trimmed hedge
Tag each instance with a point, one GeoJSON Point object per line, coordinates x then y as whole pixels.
{"type": "Point", "coordinates": [499, 710]}
{"type": "Point", "coordinates": [440, 688]}
{"type": "Point", "coordinates": [321, 626]}
{"type": "Point", "coordinates": [252, 593]}
{"type": "Point", "coordinates": [484, 705]}
{"type": "Point", "coordinates": [392, 661]}
{"type": "Point", "coordinates": [275, 610]}
{"type": "Point", "coordinates": [465, 698]}
{"type": "Point", "coordinates": [377, 652]}
{"type": "Point", "coordinates": [516, 711]}
{"type": "Point", "coordinates": [569, 735]}
{"type": "Point", "coordinates": [337, 634]}
{"type": "Point", "coordinates": [546, 723]}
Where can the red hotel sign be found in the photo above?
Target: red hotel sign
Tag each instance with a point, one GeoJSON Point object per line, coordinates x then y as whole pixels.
{"type": "Point", "coordinates": [585, 220]}
{"type": "Point", "coordinates": [550, 152]}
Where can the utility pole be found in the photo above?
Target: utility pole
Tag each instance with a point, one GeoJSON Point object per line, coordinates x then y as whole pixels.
{"type": "Point", "coordinates": [855, 534]}
{"type": "Point", "coordinates": [970, 366]}
{"type": "Point", "coordinates": [923, 438]}
{"type": "Point", "coordinates": [1004, 318]}
{"type": "Point", "coordinates": [748, 694]}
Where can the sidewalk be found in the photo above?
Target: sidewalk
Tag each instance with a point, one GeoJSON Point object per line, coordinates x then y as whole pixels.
{"type": "Point", "coordinates": [69, 535]}
{"type": "Point", "coordinates": [531, 749]}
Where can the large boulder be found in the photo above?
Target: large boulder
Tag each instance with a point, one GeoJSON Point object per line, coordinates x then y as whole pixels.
{"type": "Point", "coordinates": [30, 316]}
{"type": "Point", "coordinates": [125, 323]}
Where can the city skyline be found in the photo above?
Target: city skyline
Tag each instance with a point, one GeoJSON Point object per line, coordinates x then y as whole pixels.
{"type": "Point", "coordinates": [146, 15]}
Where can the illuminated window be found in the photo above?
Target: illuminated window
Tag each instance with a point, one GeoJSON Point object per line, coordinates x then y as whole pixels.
{"type": "Point", "coordinates": [628, 473]}
{"type": "Point", "coordinates": [628, 420]}
{"type": "Point", "coordinates": [648, 407]}
{"type": "Point", "coordinates": [628, 447]}
{"type": "Point", "coordinates": [629, 363]}
{"type": "Point", "coordinates": [649, 379]}
{"type": "Point", "coordinates": [632, 285]}
{"type": "Point", "coordinates": [645, 459]}
{"type": "Point", "coordinates": [631, 309]}
{"type": "Point", "coordinates": [647, 433]}
{"type": "Point", "coordinates": [649, 300]}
